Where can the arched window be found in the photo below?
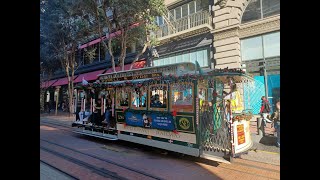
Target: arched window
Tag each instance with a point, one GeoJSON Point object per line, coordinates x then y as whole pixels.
{"type": "Point", "coordinates": [259, 9]}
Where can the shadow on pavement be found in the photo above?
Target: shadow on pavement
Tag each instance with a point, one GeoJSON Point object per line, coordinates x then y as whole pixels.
{"type": "Point", "coordinates": [268, 140]}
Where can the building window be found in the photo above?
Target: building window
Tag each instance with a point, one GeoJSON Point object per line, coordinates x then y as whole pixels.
{"type": "Point", "coordinates": [192, 7]}
{"type": "Point", "coordinates": [201, 58]}
{"type": "Point", "coordinates": [252, 12]}
{"type": "Point", "coordinates": [161, 62]}
{"type": "Point", "coordinates": [172, 60]}
{"type": "Point", "coordinates": [166, 61]}
{"type": "Point", "coordinates": [159, 20]}
{"type": "Point", "coordinates": [251, 48]}
{"type": "Point", "coordinates": [255, 48]}
{"type": "Point", "coordinates": [258, 9]}
{"type": "Point", "coordinates": [186, 57]}
{"type": "Point", "coordinates": [271, 44]}
{"type": "Point", "coordinates": [202, 5]}
{"type": "Point", "coordinates": [171, 15]}
{"type": "Point", "coordinates": [178, 12]}
{"type": "Point", "coordinates": [193, 56]}
{"type": "Point", "coordinates": [200, 55]}
{"type": "Point", "coordinates": [187, 9]}
{"type": "Point", "coordinates": [270, 7]}
{"type": "Point", "coordinates": [179, 58]}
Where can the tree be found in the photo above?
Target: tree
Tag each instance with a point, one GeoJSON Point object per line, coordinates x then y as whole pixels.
{"type": "Point", "coordinates": [47, 62]}
{"type": "Point", "coordinates": [121, 17]}
{"type": "Point", "coordinates": [62, 26]}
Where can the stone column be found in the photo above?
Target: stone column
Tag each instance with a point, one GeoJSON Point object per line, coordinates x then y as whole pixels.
{"type": "Point", "coordinates": [227, 49]}
{"type": "Point", "coordinates": [226, 22]}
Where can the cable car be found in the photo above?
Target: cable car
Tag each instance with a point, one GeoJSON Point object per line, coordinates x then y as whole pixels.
{"type": "Point", "coordinates": [174, 107]}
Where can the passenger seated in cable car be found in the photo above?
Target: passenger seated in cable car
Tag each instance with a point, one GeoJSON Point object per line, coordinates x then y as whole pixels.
{"type": "Point", "coordinates": [89, 119]}
{"type": "Point", "coordinates": [144, 99]}
{"type": "Point", "coordinates": [156, 102]}
{"type": "Point", "coordinates": [124, 102]}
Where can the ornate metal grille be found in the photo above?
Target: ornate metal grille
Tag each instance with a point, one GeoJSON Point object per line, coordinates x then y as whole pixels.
{"type": "Point", "coordinates": [214, 127]}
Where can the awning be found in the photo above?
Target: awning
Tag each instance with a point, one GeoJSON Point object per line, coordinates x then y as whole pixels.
{"type": "Point", "coordinates": [47, 84]}
{"type": "Point", "coordinates": [88, 76]}
{"type": "Point", "coordinates": [136, 65]}
{"type": "Point", "coordinates": [62, 81]}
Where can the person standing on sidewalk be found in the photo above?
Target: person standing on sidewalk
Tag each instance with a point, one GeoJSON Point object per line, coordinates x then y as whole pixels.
{"type": "Point", "coordinates": [276, 119]}
{"type": "Point", "coordinates": [265, 110]}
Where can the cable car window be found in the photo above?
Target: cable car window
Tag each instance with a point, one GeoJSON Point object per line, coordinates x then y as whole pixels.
{"type": "Point", "coordinates": [202, 95]}
{"type": "Point", "coordinates": [139, 98]}
{"type": "Point", "coordinates": [182, 97]}
{"type": "Point", "coordinates": [122, 98]}
{"type": "Point", "coordinates": [158, 97]}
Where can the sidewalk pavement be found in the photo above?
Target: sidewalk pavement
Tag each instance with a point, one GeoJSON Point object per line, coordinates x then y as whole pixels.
{"type": "Point", "coordinates": [263, 149]}
{"type": "Point", "coordinates": [61, 117]}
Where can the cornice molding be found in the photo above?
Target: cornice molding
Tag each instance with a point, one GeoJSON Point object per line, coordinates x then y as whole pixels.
{"type": "Point", "coordinates": [260, 27]}
{"type": "Point", "coordinates": [250, 29]}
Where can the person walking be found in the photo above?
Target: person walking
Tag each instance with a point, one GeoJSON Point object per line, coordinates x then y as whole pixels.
{"type": "Point", "coordinates": [265, 110]}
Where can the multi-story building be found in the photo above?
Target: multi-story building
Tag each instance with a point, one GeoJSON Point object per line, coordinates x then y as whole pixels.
{"type": "Point", "coordinates": [247, 34]}
{"type": "Point", "coordinates": [226, 33]}
{"type": "Point", "coordinates": [216, 34]}
{"type": "Point", "coordinates": [186, 34]}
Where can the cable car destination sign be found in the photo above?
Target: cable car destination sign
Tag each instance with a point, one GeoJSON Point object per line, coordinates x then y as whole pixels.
{"type": "Point", "coordinates": [151, 72]}
{"type": "Point", "coordinates": [113, 77]}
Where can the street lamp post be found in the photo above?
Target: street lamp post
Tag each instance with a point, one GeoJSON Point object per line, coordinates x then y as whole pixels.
{"type": "Point", "coordinates": [265, 70]}
{"type": "Point", "coordinates": [264, 59]}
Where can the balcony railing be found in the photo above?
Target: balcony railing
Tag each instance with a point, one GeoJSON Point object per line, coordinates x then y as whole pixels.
{"type": "Point", "coordinates": [185, 24]}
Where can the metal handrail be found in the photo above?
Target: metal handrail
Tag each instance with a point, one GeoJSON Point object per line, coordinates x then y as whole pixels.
{"type": "Point", "coordinates": [190, 21]}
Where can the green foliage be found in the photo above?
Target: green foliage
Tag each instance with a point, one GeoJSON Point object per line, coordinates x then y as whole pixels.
{"type": "Point", "coordinates": [63, 24]}
{"type": "Point", "coordinates": [67, 23]}
{"type": "Point", "coordinates": [124, 14]}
